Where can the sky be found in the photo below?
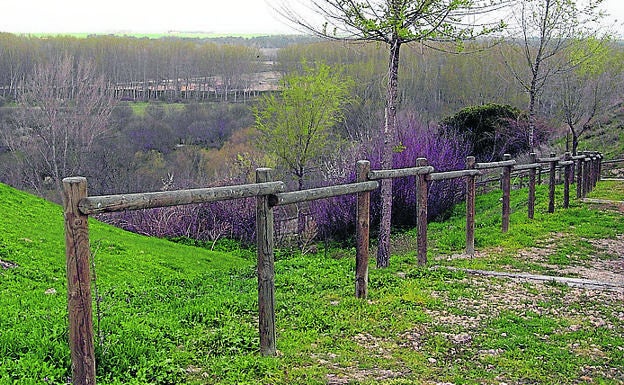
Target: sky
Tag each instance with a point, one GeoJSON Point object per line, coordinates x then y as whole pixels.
{"type": "Point", "coordinates": [161, 16]}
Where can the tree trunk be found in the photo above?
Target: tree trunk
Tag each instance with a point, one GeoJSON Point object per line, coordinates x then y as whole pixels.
{"type": "Point", "coordinates": [575, 143]}
{"type": "Point", "coordinates": [535, 71]}
{"type": "Point", "coordinates": [389, 135]}
{"type": "Point", "coordinates": [532, 100]}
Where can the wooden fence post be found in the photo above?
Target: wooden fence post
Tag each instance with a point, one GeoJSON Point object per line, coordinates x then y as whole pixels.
{"type": "Point", "coordinates": [362, 233]}
{"type": "Point", "coordinates": [422, 195]}
{"type": "Point", "coordinates": [579, 178]}
{"type": "Point", "coordinates": [600, 158]}
{"type": "Point", "coordinates": [595, 168]}
{"type": "Point", "coordinates": [266, 267]}
{"type": "Point", "coordinates": [531, 202]}
{"type": "Point", "coordinates": [566, 182]}
{"type": "Point", "coordinates": [586, 173]}
{"type": "Point", "coordinates": [590, 174]}
{"type": "Point", "coordinates": [506, 186]}
{"type": "Point", "coordinates": [78, 253]}
{"type": "Point", "coordinates": [552, 183]}
{"type": "Point", "coordinates": [470, 206]}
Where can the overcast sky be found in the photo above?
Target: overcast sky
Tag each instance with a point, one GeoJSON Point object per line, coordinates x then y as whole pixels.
{"type": "Point", "coordinates": [149, 16]}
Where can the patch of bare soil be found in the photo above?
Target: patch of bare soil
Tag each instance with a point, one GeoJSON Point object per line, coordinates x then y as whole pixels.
{"type": "Point", "coordinates": [605, 265]}
{"type": "Point", "coordinates": [612, 269]}
{"type": "Point", "coordinates": [353, 373]}
{"type": "Point", "coordinates": [7, 264]}
{"type": "Point", "coordinates": [584, 309]}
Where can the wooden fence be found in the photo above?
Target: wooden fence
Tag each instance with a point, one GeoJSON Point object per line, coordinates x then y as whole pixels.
{"type": "Point", "coordinates": [270, 194]}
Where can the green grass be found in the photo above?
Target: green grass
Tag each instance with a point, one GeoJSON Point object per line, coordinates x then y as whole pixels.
{"type": "Point", "coordinates": [172, 314]}
{"type": "Point", "coordinates": [139, 107]}
{"type": "Point", "coordinates": [609, 190]}
{"type": "Point", "coordinates": [568, 229]}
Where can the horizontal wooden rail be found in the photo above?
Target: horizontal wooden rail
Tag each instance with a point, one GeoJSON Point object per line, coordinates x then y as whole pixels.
{"type": "Point", "coordinates": [453, 174]}
{"type": "Point", "coordinates": [577, 157]}
{"type": "Point", "coordinates": [401, 172]}
{"type": "Point", "coordinates": [529, 166]}
{"type": "Point", "coordinates": [566, 163]}
{"type": "Point", "coordinates": [613, 161]}
{"type": "Point", "coordinates": [111, 203]}
{"type": "Point", "coordinates": [504, 163]}
{"type": "Point", "coordinates": [288, 198]}
{"type": "Point", "coordinates": [548, 160]}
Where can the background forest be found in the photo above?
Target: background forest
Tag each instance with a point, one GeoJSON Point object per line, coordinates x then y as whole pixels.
{"type": "Point", "coordinates": [179, 113]}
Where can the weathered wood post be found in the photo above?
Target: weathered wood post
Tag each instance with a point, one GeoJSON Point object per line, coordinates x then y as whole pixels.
{"type": "Point", "coordinates": [552, 183]}
{"type": "Point", "coordinates": [586, 173]}
{"type": "Point", "coordinates": [600, 158]}
{"type": "Point", "coordinates": [590, 173]}
{"type": "Point", "coordinates": [78, 253]}
{"type": "Point", "coordinates": [362, 233]}
{"type": "Point", "coordinates": [266, 267]}
{"type": "Point", "coordinates": [531, 202]}
{"type": "Point", "coordinates": [579, 177]}
{"type": "Point", "coordinates": [595, 169]}
{"type": "Point", "coordinates": [422, 195]}
{"type": "Point", "coordinates": [506, 185]}
{"type": "Point", "coordinates": [470, 206]}
{"type": "Point", "coordinates": [566, 176]}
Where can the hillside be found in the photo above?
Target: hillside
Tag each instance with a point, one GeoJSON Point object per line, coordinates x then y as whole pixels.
{"type": "Point", "coordinates": [608, 135]}
{"type": "Point", "coordinates": [171, 314]}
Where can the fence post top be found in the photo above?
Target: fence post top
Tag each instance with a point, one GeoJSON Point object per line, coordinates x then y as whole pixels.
{"type": "Point", "coordinates": [74, 179]}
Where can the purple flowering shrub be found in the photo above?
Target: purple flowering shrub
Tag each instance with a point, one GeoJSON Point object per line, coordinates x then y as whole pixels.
{"type": "Point", "coordinates": [444, 153]}
{"type": "Point", "coordinates": [234, 219]}
{"type": "Point", "coordinates": [336, 217]}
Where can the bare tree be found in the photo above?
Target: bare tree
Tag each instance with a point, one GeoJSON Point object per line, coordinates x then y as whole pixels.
{"type": "Point", "coordinates": [546, 30]}
{"type": "Point", "coordinates": [394, 23]}
{"type": "Point", "coordinates": [64, 108]}
{"type": "Point", "coordinates": [584, 94]}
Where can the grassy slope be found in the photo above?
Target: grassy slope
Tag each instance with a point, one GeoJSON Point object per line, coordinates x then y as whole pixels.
{"type": "Point", "coordinates": [174, 314]}
{"type": "Point", "coordinates": [33, 324]}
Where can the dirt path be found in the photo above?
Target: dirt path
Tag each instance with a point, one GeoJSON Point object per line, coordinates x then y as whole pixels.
{"type": "Point", "coordinates": [573, 282]}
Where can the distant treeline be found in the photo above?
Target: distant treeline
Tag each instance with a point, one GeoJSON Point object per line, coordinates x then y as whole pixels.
{"type": "Point", "coordinates": [432, 81]}
{"type": "Point", "coordinates": [147, 69]}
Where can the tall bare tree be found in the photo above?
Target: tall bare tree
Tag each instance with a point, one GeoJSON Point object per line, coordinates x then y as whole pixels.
{"type": "Point", "coordinates": [64, 108]}
{"type": "Point", "coordinates": [586, 93]}
{"type": "Point", "coordinates": [394, 23]}
{"type": "Point", "coordinates": [545, 30]}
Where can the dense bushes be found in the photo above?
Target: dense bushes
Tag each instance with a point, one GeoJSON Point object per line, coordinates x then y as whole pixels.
{"type": "Point", "coordinates": [493, 130]}
{"type": "Point", "coordinates": [142, 144]}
